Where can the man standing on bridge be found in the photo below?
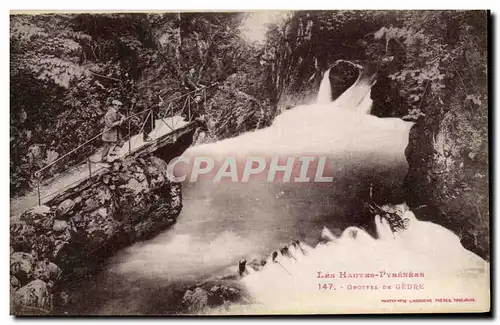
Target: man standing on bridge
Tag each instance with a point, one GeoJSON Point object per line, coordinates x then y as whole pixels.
{"type": "Point", "coordinates": [150, 123]}
{"type": "Point", "coordinates": [190, 80]}
{"type": "Point", "coordinates": [111, 133]}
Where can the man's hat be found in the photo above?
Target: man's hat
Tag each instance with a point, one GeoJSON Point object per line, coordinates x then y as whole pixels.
{"type": "Point", "coordinates": [116, 102]}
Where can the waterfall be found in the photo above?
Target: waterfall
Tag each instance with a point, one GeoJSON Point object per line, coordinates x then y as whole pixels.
{"type": "Point", "coordinates": [357, 97]}
{"type": "Point", "coordinates": [325, 89]}
{"type": "Point", "coordinates": [223, 222]}
{"type": "Point", "coordinates": [360, 149]}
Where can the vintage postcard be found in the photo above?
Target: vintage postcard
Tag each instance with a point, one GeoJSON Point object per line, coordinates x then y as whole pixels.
{"type": "Point", "coordinates": [249, 163]}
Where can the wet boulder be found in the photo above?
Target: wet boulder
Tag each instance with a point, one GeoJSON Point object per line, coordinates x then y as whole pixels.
{"type": "Point", "coordinates": [21, 237]}
{"type": "Point", "coordinates": [221, 294]}
{"type": "Point", "coordinates": [33, 295]}
{"type": "Point", "coordinates": [40, 217]}
{"type": "Point", "coordinates": [43, 245]}
{"type": "Point", "coordinates": [65, 208]}
{"type": "Point", "coordinates": [22, 266]}
{"type": "Point", "coordinates": [14, 283]}
{"type": "Point", "coordinates": [195, 300]}
{"type": "Point", "coordinates": [59, 226]}
{"type": "Point", "coordinates": [46, 271]}
{"type": "Point", "coordinates": [94, 229]}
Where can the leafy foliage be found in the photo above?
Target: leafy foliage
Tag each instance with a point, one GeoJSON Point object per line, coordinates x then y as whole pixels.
{"type": "Point", "coordinates": [65, 69]}
{"type": "Point", "coordinates": [437, 49]}
{"type": "Point", "coordinates": [232, 112]}
{"type": "Point", "coordinates": [415, 50]}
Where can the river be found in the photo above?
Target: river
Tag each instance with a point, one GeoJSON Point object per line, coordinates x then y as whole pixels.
{"type": "Point", "coordinates": [223, 222]}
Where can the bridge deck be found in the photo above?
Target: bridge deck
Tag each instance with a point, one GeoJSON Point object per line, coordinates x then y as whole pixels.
{"type": "Point", "coordinates": [75, 175]}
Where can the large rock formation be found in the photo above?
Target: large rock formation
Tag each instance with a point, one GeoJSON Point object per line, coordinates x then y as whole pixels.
{"type": "Point", "coordinates": [200, 299]}
{"type": "Point", "coordinates": [231, 112]}
{"type": "Point", "coordinates": [74, 233]}
{"type": "Point", "coordinates": [447, 182]}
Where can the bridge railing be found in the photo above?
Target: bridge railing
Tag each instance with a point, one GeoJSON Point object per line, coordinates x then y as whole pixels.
{"type": "Point", "coordinates": [186, 109]}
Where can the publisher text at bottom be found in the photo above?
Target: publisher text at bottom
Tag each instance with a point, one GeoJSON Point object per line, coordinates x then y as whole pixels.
{"type": "Point", "coordinates": [429, 300]}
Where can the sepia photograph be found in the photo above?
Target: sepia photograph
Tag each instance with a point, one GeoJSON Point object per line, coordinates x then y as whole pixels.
{"type": "Point", "coordinates": [291, 162]}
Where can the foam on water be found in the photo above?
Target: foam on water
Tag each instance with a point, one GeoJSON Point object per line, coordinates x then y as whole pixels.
{"type": "Point", "coordinates": [245, 219]}
{"type": "Point", "coordinates": [328, 127]}
{"type": "Point", "coordinates": [447, 270]}
{"type": "Point", "coordinates": [224, 222]}
{"type": "Point", "coordinates": [182, 256]}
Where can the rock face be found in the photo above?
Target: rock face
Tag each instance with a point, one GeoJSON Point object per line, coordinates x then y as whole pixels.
{"type": "Point", "coordinates": [447, 182]}
{"type": "Point", "coordinates": [74, 234]}
{"type": "Point", "coordinates": [195, 300]}
{"type": "Point", "coordinates": [231, 112]}
{"type": "Point", "coordinates": [34, 295]}
{"type": "Point", "coordinates": [21, 266]}
{"type": "Point", "coordinates": [209, 295]}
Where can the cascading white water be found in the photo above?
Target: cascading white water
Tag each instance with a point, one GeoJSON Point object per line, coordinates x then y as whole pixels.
{"type": "Point", "coordinates": [325, 89]}
{"type": "Point", "coordinates": [222, 222]}
{"type": "Point", "coordinates": [355, 99]}
{"type": "Point", "coordinates": [357, 96]}
{"type": "Point", "coordinates": [423, 268]}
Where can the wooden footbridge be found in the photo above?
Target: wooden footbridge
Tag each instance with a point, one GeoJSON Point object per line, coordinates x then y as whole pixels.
{"type": "Point", "coordinates": [168, 128]}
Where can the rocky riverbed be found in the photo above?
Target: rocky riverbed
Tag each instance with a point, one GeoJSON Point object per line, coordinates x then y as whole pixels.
{"type": "Point", "coordinates": [70, 237]}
